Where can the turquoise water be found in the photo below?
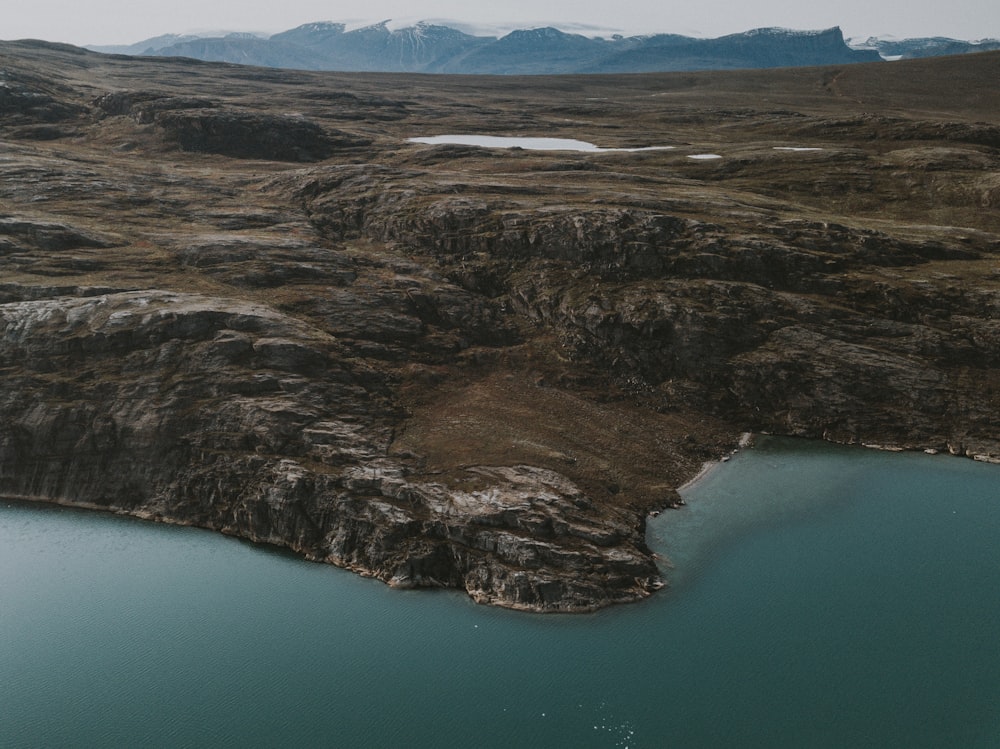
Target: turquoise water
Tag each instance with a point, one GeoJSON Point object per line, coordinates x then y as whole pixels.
{"type": "Point", "coordinates": [821, 597]}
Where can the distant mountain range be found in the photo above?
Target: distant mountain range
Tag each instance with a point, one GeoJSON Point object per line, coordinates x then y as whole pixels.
{"type": "Point", "coordinates": [433, 48]}
{"type": "Point", "coordinates": [935, 46]}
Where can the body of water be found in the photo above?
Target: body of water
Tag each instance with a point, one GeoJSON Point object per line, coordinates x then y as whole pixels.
{"type": "Point", "coordinates": [528, 144]}
{"type": "Point", "coordinates": [821, 597]}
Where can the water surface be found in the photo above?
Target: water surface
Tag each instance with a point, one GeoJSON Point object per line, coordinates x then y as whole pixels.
{"type": "Point", "coordinates": [528, 144]}
{"type": "Point", "coordinates": [821, 597]}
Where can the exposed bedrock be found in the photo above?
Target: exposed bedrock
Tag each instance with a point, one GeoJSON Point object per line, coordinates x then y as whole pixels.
{"type": "Point", "coordinates": [801, 327]}
{"type": "Point", "coordinates": [250, 135]}
{"type": "Point", "coordinates": [242, 299]}
{"type": "Point", "coordinates": [202, 125]}
{"type": "Point", "coordinates": [231, 416]}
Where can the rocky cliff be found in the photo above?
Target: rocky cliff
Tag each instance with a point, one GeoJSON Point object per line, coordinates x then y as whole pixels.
{"type": "Point", "coordinates": [227, 415]}
{"type": "Point", "coordinates": [241, 299]}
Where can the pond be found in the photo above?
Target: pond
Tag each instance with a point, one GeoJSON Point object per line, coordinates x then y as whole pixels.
{"type": "Point", "coordinates": [528, 144]}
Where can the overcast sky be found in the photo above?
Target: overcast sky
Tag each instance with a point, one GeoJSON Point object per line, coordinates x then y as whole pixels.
{"type": "Point", "coordinates": [126, 21]}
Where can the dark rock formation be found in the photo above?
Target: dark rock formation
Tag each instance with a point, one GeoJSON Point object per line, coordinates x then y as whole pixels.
{"type": "Point", "coordinates": [21, 234]}
{"type": "Point", "coordinates": [453, 367]}
{"type": "Point", "coordinates": [144, 106]}
{"type": "Point", "coordinates": [772, 326]}
{"type": "Point", "coordinates": [200, 125]}
{"type": "Point", "coordinates": [246, 135]}
{"type": "Point", "coordinates": [261, 427]}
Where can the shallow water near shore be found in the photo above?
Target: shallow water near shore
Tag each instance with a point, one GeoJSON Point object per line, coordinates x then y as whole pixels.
{"type": "Point", "coordinates": [821, 597]}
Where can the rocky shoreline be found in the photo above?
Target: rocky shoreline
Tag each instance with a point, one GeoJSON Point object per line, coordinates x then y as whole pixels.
{"type": "Point", "coordinates": [448, 366]}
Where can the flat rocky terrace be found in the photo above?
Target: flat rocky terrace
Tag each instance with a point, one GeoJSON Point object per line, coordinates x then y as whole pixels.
{"type": "Point", "coordinates": [241, 299]}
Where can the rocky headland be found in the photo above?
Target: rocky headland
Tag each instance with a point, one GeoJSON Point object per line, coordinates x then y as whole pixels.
{"type": "Point", "coordinates": [239, 298]}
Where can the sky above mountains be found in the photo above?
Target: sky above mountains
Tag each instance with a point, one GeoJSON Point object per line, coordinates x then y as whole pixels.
{"type": "Point", "coordinates": [127, 21]}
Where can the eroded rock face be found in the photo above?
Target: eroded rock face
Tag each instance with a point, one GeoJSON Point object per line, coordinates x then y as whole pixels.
{"type": "Point", "coordinates": [202, 125]}
{"type": "Point", "coordinates": [453, 367]}
{"type": "Point", "coordinates": [248, 135]}
{"type": "Point", "coordinates": [797, 327]}
{"type": "Point", "coordinates": [25, 98]}
{"type": "Point", "coordinates": [189, 409]}
{"type": "Point", "coordinates": [18, 234]}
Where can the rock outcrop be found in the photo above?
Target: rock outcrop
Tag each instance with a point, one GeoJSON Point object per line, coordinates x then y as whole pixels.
{"type": "Point", "coordinates": [230, 416]}
{"type": "Point", "coordinates": [247, 135]}
{"type": "Point", "coordinates": [201, 125]}
{"type": "Point", "coordinates": [778, 322]}
{"type": "Point", "coordinates": [454, 367]}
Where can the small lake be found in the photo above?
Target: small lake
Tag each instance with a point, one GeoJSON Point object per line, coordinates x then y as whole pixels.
{"type": "Point", "coordinates": [528, 144]}
{"type": "Point", "coordinates": [821, 597]}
